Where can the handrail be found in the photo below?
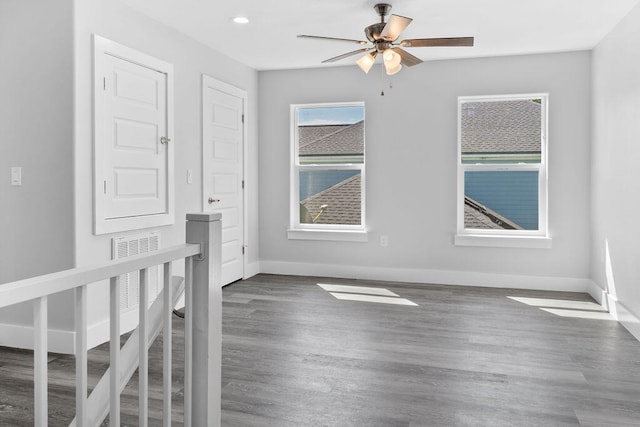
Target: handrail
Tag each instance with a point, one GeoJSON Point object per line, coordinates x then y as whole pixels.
{"type": "Point", "coordinates": [48, 284]}
{"type": "Point", "coordinates": [202, 254]}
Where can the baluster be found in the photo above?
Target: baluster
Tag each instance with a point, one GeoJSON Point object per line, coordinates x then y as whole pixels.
{"type": "Point", "coordinates": [188, 334]}
{"type": "Point", "coordinates": [143, 366]}
{"type": "Point", "coordinates": [114, 353]}
{"type": "Point", "coordinates": [166, 346]}
{"type": "Point", "coordinates": [40, 327]}
{"type": "Point", "coordinates": [188, 337]}
{"type": "Point", "coordinates": [81, 356]}
{"type": "Point", "coordinates": [205, 229]}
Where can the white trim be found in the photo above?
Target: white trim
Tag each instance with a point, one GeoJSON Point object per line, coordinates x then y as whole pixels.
{"type": "Point", "coordinates": [63, 341]}
{"type": "Point", "coordinates": [253, 269]}
{"type": "Point", "coordinates": [598, 294]}
{"type": "Point", "coordinates": [622, 314]}
{"type": "Point", "coordinates": [21, 336]}
{"type": "Point", "coordinates": [101, 225]}
{"type": "Point", "coordinates": [208, 81]}
{"type": "Point", "coordinates": [294, 183]}
{"type": "Point", "coordinates": [328, 235]}
{"type": "Point", "coordinates": [428, 276]}
{"type": "Point", "coordinates": [503, 241]}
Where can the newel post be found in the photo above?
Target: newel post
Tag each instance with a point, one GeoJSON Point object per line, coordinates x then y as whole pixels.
{"type": "Point", "coordinates": [205, 229]}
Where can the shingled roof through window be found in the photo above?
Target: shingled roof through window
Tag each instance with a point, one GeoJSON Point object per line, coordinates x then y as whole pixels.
{"type": "Point", "coordinates": [329, 140]}
{"type": "Point", "coordinates": [342, 203]}
{"type": "Point", "coordinates": [478, 216]}
{"type": "Point", "coordinates": [501, 127]}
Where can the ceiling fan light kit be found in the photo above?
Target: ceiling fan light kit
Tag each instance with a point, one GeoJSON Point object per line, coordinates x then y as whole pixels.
{"type": "Point", "coordinates": [391, 70]}
{"type": "Point", "coordinates": [382, 38]}
{"type": "Point", "coordinates": [366, 61]}
{"type": "Point", "coordinates": [392, 61]}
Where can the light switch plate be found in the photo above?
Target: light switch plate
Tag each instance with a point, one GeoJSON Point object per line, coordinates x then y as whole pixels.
{"type": "Point", "coordinates": [16, 175]}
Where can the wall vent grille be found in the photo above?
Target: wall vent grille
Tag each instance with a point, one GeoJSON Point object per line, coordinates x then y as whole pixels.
{"type": "Point", "coordinates": [123, 247]}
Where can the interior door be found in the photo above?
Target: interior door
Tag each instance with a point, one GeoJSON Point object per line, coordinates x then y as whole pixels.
{"type": "Point", "coordinates": [136, 153]}
{"type": "Point", "coordinates": [223, 149]}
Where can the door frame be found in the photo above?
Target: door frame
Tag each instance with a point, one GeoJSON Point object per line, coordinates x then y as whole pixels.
{"type": "Point", "coordinates": [211, 82]}
{"type": "Point", "coordinates": [101, 225]}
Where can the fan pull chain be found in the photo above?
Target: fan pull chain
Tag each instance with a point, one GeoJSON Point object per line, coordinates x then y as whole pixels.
{"type": "Point", "coordinates": [390, 83]}
{"type": "Point", "coordinates": [382, 74]}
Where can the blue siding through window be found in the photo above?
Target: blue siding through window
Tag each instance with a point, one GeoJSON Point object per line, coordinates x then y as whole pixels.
{"type": "Point", "coordinates": [512, 194]}
{"type": "Point", "coordinates": [313, 182]}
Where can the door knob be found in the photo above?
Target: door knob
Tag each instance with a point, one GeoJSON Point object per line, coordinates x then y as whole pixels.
{"type": "Point", "coordinates": [212, 200]}
{"type": "Point", "coordinates": [165, 140]}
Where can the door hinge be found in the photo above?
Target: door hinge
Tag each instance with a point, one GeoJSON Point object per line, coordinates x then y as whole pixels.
{"type": "Point", "coordinates": [243, 118]}
{"type": "Point", "coordinates": [105, 187]}
{"type": "Point", "coordinates": [104, 83]}
{"type": "Point", "coordinates": [243, 250]}
{"type": "Point", "coordinates": [243, 184]}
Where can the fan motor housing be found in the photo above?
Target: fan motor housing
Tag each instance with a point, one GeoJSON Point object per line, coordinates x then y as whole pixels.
{"type": "Point", "coordinates": [382, 9]}
{"type": "Point", "coordinates": [373, 31]}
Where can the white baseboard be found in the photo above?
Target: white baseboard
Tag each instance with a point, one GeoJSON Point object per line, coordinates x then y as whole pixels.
{"type": "Point", "coordinates": [252, 268]}
{"type": "Point", "coordinates": [622, 314]}
{"type": "Point", "coordinates": [99, 333]}
{"type": "Point", "coordinates": [442, 277]}
{"type": "Point", "coordinates": [618, 310]}
{"type": "Point", "coordinates": [18, 336]}
{"type": "Point", "coordinates": [63, 341]}
{"type": "Point", "coordinates": [598, 294]}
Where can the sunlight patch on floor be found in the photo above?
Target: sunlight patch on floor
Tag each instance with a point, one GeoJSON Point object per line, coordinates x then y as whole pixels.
{"type": "Point", "coordinates": [581, 314]}
{"type": "Point", "coordinates": [373, 298]}
{"type": "Point", "coordinates": [357, 290]}
{"type": "Point", "coordinates": [567, 308]}
{"type": "Point", "coordinates": [559, 303]}
{"type": "Point", "coordinates": [365, 294]}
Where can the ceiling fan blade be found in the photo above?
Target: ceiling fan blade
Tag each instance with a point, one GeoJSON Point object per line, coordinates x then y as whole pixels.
{"type": "Point", "coordinates": [305, 36]}
{"type": "Point", "coordinates": [394, 27]}
{"type": "Point", "coordinates": [407, 59]}
{"type": "Point", "coordinates": [434, 42]}
{"type": "Point", "coordinates": [346, 55]}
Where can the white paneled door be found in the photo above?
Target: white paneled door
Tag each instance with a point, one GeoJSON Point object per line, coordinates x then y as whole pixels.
{"type": "Point", "coordinates": [223, 160]}
{"type": "Point", "coordinates": [135, 114]}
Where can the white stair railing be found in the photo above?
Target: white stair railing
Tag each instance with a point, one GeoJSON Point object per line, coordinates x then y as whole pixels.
{"type": "Point", "coordinates": [203, 329]}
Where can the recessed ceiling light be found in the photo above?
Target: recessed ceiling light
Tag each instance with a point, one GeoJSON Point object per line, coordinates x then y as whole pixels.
{"type": "Point", "coordinates": [241, 20]}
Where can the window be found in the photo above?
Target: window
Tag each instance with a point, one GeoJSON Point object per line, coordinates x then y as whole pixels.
{"type": "Point", "coordinates": [502, 179]}
{"type": "Point", "coordinates": [327, 172]}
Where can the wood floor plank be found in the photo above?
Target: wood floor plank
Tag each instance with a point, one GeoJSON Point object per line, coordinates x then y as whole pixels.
{"type": "Point", "coordinates": [294, 355]}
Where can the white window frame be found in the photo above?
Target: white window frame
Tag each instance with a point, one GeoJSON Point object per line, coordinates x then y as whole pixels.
{"type": "Point", "coordinates": [335, 232]}
{"type": "Point", "coordinates": [506, 238]}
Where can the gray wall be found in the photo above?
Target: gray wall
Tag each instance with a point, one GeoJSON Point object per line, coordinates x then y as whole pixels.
{"type": "Point", "coordinates": [36, 125]}
{"type": "Point", "coordinates": [411, 136]}
{"type": "Point", "coordinates": [615, 163]}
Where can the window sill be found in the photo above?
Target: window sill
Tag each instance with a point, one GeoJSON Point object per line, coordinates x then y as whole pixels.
{"type": "Point", "coordinates": [328, 235]}
{"type": "Point", "coordinates": [494, 241]}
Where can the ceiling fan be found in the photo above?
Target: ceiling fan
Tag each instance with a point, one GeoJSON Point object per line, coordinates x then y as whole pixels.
{"type": "Point", "coordinates": [382, 38]}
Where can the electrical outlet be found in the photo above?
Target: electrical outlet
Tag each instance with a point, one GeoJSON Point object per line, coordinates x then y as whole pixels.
{"type": "Point", "coordinates": [16, 175]}
{"type": "Point", "coordinates": [384, 240]}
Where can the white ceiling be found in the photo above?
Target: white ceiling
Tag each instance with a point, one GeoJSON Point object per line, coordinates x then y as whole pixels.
{"type": "Point", "coordinates": [500, 27]}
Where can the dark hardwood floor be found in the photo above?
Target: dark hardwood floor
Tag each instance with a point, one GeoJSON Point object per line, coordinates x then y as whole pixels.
{"type": "Point", "coordinates": [295, 355]}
